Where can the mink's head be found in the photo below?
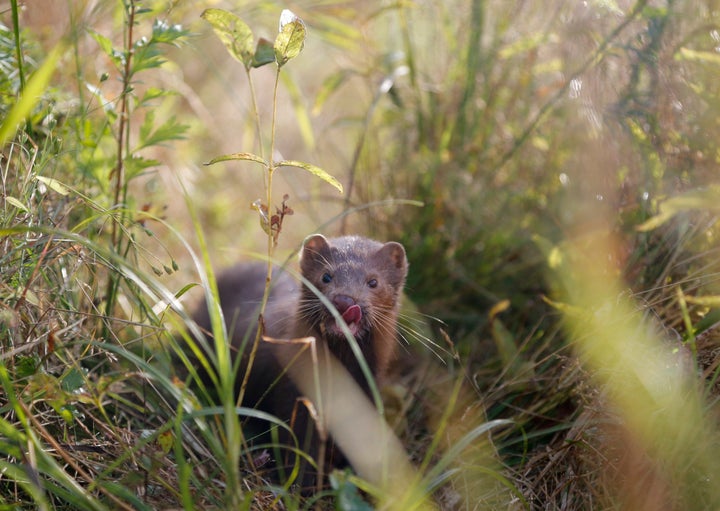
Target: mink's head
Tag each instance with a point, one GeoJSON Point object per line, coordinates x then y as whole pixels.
{"type": "Point", "coordinates": [362, 279]}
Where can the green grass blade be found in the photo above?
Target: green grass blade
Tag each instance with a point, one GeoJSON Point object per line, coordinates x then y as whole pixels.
{"type": "Point", "coordinates": [30, 95]}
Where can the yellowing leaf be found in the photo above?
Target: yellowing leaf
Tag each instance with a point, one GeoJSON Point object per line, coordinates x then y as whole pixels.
{"type": "Point", "coordinates": [234, 34]}
{"type": "Point", "coordinates": [29, 296]}
{"type": "Point", "coordinates": [499, 307]}
{"type": "Point", "coordinates": [709, 57]}
{"type": "Point", "coordinates": [316, 171]}
{"type": "Point", "coordinates": [15, 202]}
{"type": "Point", "coordinates": [165, 441]}
{"type": "Point", "coordinates": [30, 95]}
{"type": "Point", "coordinates": [291, 39]}
{"type": "Point", "coordinates": [707, 301]}
{"type": "Point", "coordinates": [555, 258]}
{"type": "Point", "coordinates": [705, 200]}
{"type": "Point", "coordinates": [238, 156]}
{"type": "Point", "coordinates": [54, 185]}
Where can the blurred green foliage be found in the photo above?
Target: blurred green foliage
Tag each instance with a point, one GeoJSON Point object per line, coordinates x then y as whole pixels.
{"type": "Point", "coordinates": [511, 125]}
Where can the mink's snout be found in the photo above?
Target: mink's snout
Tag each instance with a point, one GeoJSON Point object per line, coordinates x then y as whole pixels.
{"type": "Point", "coordinates": [343, 303]}
{"type": "Point", "coordinates": [348, 309]}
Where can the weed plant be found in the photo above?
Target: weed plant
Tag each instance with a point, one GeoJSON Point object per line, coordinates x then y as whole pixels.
{"type": "Point", "coordinates": [566, 247]}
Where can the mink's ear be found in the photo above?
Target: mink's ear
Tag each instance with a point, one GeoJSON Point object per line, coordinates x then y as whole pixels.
{"type": "Point", "coordinates": [395, 253]}
{"type": "Point", "coordinates": [315, 248]}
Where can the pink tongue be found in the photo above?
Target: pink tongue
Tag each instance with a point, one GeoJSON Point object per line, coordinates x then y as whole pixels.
{"type": "Point", "coordinates": [352, 314]}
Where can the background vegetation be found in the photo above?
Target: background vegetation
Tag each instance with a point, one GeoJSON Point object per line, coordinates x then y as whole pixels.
{"type": "Point", "coordinates": [562, 293]}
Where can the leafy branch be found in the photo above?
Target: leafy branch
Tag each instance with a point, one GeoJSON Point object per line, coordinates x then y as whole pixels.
{"type": "Point", "coordinates": [136, 55]}
{"type": "Point", "coordinates": [238, 38]}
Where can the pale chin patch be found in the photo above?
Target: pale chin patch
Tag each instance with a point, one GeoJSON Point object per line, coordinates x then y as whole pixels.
{"type": "Point", "coordinates": [337, 329]}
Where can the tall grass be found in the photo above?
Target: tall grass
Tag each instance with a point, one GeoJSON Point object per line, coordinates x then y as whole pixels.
{"type": "Point", "coordinates": [520, 132]}
{"type": "Point", "coordinates": [565, 157]}
{"type": "Point", "coordinates": [72, 394]}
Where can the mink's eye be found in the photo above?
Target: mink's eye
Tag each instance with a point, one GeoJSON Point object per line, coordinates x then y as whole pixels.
{"type": "Point", "coordinates": [326, 278]}
{"type": "Point", "coordinates": [372, 283]}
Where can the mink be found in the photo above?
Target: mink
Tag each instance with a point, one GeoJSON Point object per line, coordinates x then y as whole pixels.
{"type": "Point", "coordinates": [361, 278]}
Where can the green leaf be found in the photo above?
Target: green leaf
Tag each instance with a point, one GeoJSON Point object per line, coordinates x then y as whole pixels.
{"type": "Point", "coordinates": [301, 113]}
{"type": "Point", "coordinates": [26, 366]}
{"type": "Point", "coordinates": [705, 199]}
{"type": "Point", "coordinates": [264, 53]}
{"type": "Point", "coordinates": [291, 39]}
{"type": "Point", "coordinates": [165, 33]}
{"type": "Point", "coordinates": [239, 156]}
{"type": "Point", "coordinates": [15, 202]}
{"type": "Point", "coordinates": [234, 34]}
{"type": "Point", "coordinates": [169, 130]}
{"type": "Point", "coordinates": [147, 52]}
{"type": "Point", "coordinates": [348, 495]}
{"type": "Point", "coordinates": [54, 185]}
{"type": "Point", "coordinates": [316, 171]}
{"type": "Point", "coordinates": [72, 380]}
{"type": "Point", "coordinates": [10, 439]}
{"type": "Point", "coordinates": [104, 42]}
{"type": "Point", "coordinates": [106, 46]}
{"type": "Point", "coordinates": [146, 127]}
{"type": "Point", "coordinates": [147, 55]}
{"type": "Point", "coordinates": [135, 165]}
{"type": "Point", "coordinates": [153, 93]}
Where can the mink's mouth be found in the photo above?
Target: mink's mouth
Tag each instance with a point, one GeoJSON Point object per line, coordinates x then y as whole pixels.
{"type": "Point", "coordinates": [352, 316]}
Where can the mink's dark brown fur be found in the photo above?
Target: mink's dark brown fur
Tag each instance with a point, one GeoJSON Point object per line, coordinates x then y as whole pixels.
{"type": "Point", "coordinates": [361, 278]}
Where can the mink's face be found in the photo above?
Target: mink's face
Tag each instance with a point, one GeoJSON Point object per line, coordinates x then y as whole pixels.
{"type": "Point", "coordinates": [359, 278]}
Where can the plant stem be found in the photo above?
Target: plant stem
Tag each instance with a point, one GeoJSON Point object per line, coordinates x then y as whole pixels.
{"type": "Point", "coordinates": [271, 170]}
{"type": "Point", "coordinates": [412, 70]}
{"type": "Point", "coordinates": [270, 243]}
{"type": "Point", "coordinates": [19, 56]}
{"type": "Point", "coordinates": [18, 48]}
{"type": "Point", "coordinates": [253, 98]}
{"type": "Point", "coordinates": [118, 173]}
{"type": "Point", "coordinates": [473, 60]}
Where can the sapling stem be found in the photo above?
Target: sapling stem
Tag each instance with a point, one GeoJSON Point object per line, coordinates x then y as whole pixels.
{"type": "Point", "coordinates": [270, 239]}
